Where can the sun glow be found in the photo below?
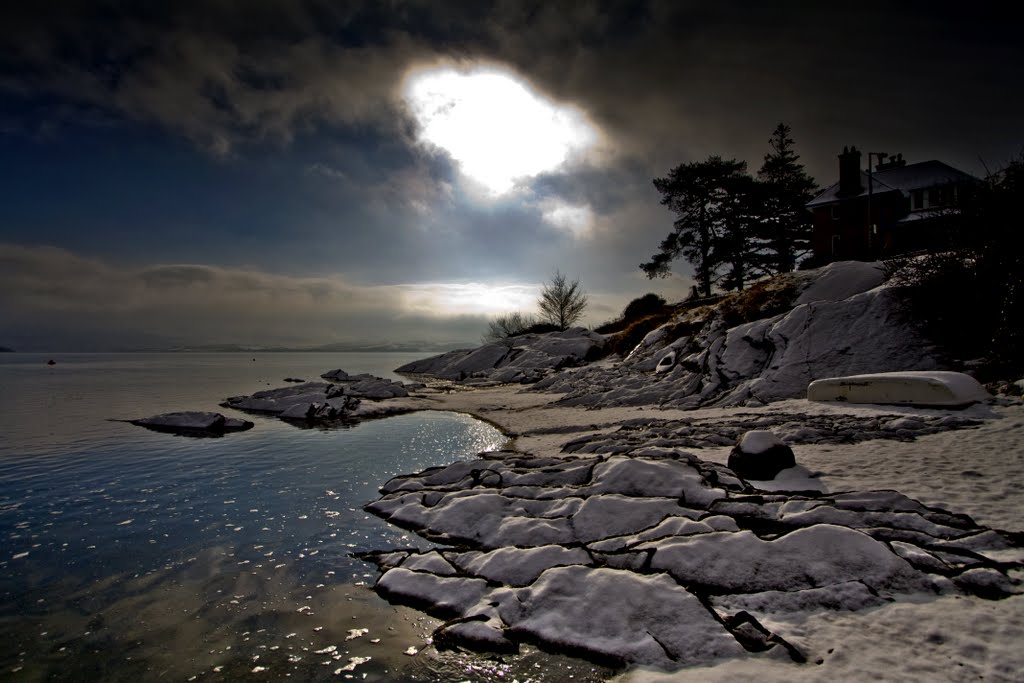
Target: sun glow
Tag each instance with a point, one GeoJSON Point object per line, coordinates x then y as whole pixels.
{"type": "Point", "coordinates": [495, 127]}
{"type": "Point", "coordinates": [470, 298]}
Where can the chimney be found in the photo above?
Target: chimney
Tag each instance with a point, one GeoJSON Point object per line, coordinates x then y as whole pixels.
{"type": "Point", "coordinates": [894, 162]}
{"type": "Point", "coordinates": [849, 173]}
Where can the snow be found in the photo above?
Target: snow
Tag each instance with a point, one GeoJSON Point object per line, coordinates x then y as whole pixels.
{"type": "Point", "coordinates": [935, 388]}
{"type": "Point", "coordinates": [519, 566]}
{"type": "Point", "coordinates": [811, 557]}
{"type": "Point", "coordinates": [661, 526]}
{"type": "Point", "coordinates": [443, 593]}
{"type": "Point", "coordinates": [522, 359]}
{"type": "Point", "coordinates": [618, 614]}
{"type": "Point", "coordinates": [759, 441]}
{"type": "Point", "coordinates": [841, 280]}
{"type": "Point", "coordinates": [758, 362]}
{"type": "Point", "coordinates": [848, 448]}
{"type": "Point", "coordinates": [892, 551]}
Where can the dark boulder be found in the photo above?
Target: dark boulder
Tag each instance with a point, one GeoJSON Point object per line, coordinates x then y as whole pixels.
{"type": "Point", "coordinates": [760, 455]}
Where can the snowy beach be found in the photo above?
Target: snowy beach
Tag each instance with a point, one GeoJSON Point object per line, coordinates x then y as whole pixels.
{"type": "Point", "coordinates": [975, 471]}
{"type": "Point", "coordinates": [617, 527]}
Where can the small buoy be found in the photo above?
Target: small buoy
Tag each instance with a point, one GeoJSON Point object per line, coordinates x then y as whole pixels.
{"type": "Point", "coordinates": [51, 362]}
{"type": "Point", "coordinates": [253, 360]}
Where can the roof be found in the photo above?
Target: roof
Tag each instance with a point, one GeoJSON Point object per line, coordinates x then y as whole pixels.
{"type": "Point", "coordinates": [904, 179]}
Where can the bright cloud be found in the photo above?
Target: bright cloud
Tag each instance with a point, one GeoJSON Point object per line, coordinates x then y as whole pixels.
{"type": "Point", "coordinates": [494, 126]}
{"type": "Point", "coordinates": [576, 219]}
{"type": "Point", "coordinates": [472, 298]}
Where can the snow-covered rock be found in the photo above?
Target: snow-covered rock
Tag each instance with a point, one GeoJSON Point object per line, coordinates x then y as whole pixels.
{"type": "Point", "coordinates": [760, 455]}
{"type": "Point", "coordinates": [657, 557]}
{"type": "Point", "coordinates": [842, 323]}
{"type": "Point", "coordinates": [191, 422]}
{"type": "Point", "coordinates": [450, 594]}
{"type": "Point", "coordinates": [841, 280]}
{"type": "Point", "coordinates": [525, 358]}
{"type": "Point", "coordinates": [620, 615]}
{"type": "Point", "coordinates": [934, 388]}
{"type": "Point", "coordinates": [519, 566]}
{"type": "Point", "coordinates": [811, 557]}
{"type": "Point", "coordinates": [344, 397]}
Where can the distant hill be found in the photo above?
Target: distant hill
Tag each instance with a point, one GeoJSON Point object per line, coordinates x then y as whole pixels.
{"type": "Point", "coordinates": [5, 349]}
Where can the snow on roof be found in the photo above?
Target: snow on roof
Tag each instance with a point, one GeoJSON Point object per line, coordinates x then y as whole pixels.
{"type": "Point", "coordinates": [904, 179]}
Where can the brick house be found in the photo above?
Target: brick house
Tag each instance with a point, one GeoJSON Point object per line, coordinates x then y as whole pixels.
{"type": "Point", "coordinates": [882, 211]}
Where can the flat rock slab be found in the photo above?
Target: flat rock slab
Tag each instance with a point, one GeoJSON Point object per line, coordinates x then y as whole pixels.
{"type": "Point", "coordinates": [660, 558]}
{"type": "Point", "coordinates": [193, 423]}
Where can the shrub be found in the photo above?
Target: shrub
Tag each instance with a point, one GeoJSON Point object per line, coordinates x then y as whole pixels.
{"type": "Point", "coordinates": [641, 307]}
{"type": "Point", "coordinates": [764, 299]}
{"type": "Point", "coordinates": [624, 341]}
{"type": "Point", "coordinates": [968, 296]}
{"type": "Point", "coordinates": [648, 304]}
{"type": "Point", "coordinates": [508, 325]}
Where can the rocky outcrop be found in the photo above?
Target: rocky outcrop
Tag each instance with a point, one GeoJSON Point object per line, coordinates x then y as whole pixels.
{"type": "Point", "coordinates": [764, 360]}
{"type": "Point", "coordinates": [343, 398]}
{"type": "Point", "coordinates": [193, 423]}
{"type": "Point", "coordinates": [656, 557]}
{"type": "Point", "coordinates": [523, 359]}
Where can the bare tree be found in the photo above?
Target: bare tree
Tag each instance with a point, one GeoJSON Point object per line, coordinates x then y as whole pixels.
{"type": "Point", "coordinates": [562, 302]}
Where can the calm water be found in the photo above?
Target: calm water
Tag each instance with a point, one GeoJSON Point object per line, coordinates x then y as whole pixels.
{"type": "Point", "coordinates": [128, 554]}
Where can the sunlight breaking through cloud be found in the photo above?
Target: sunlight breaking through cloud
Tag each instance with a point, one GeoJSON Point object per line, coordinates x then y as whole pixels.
{"type": "Point", "coordinates": [576, 219]}
{"type": "Point", "coordinates": [471, 298]}
{"type": "Point", "coordinates": [497, 129]}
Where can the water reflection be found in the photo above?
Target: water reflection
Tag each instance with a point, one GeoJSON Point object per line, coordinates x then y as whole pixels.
{"type": "Point", "coordinates": [133, 555]}
{"type": "Point", "coordinates": [209, 619]}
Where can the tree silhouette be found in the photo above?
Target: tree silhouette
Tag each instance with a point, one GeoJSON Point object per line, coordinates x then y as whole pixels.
{"type": "Point", "coordinates": [786, 188]}
{"type": "Point", "coordinates": [703, 195]}
{"type": "Point", "coordinates": [562, 302]}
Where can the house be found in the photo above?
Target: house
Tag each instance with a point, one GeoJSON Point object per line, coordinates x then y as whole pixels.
{"type": "Point", "coordinates": [883, 211]}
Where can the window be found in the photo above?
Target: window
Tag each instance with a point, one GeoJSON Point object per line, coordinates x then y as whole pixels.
{"type": "Point", "coordinates": [940, 196]}
{"type": "Point", "coordinates": [835, 212]}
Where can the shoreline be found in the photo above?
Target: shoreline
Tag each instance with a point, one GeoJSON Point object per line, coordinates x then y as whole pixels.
{"type": "Point", "coordinates": [971, 470]}
{"type": "Point", "coordinates": [536, 425]}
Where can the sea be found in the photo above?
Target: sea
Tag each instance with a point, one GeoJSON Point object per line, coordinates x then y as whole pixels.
{"type": "Point", "coordinates": [133, 555]}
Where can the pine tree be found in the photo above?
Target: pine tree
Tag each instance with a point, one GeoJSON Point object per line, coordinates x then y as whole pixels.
{"type": "Point", "coordinates": [703, 197]}
{"type": "Point", "coordinates": [785, 223]}
{"type": "Point", "coordinates": [738, 247]}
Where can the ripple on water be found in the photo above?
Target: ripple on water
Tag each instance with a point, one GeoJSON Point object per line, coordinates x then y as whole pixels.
{"type": "Point", "coordinates": [150, 553]}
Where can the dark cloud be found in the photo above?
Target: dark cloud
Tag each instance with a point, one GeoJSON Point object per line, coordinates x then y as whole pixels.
{"type": "Point", "coordinates": [310, 178]}
{"type": "Point", "coordinates": [668, 80]}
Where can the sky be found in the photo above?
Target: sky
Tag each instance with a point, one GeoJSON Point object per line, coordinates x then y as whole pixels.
{"type": "Point", "coordinates": [296, 173]}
